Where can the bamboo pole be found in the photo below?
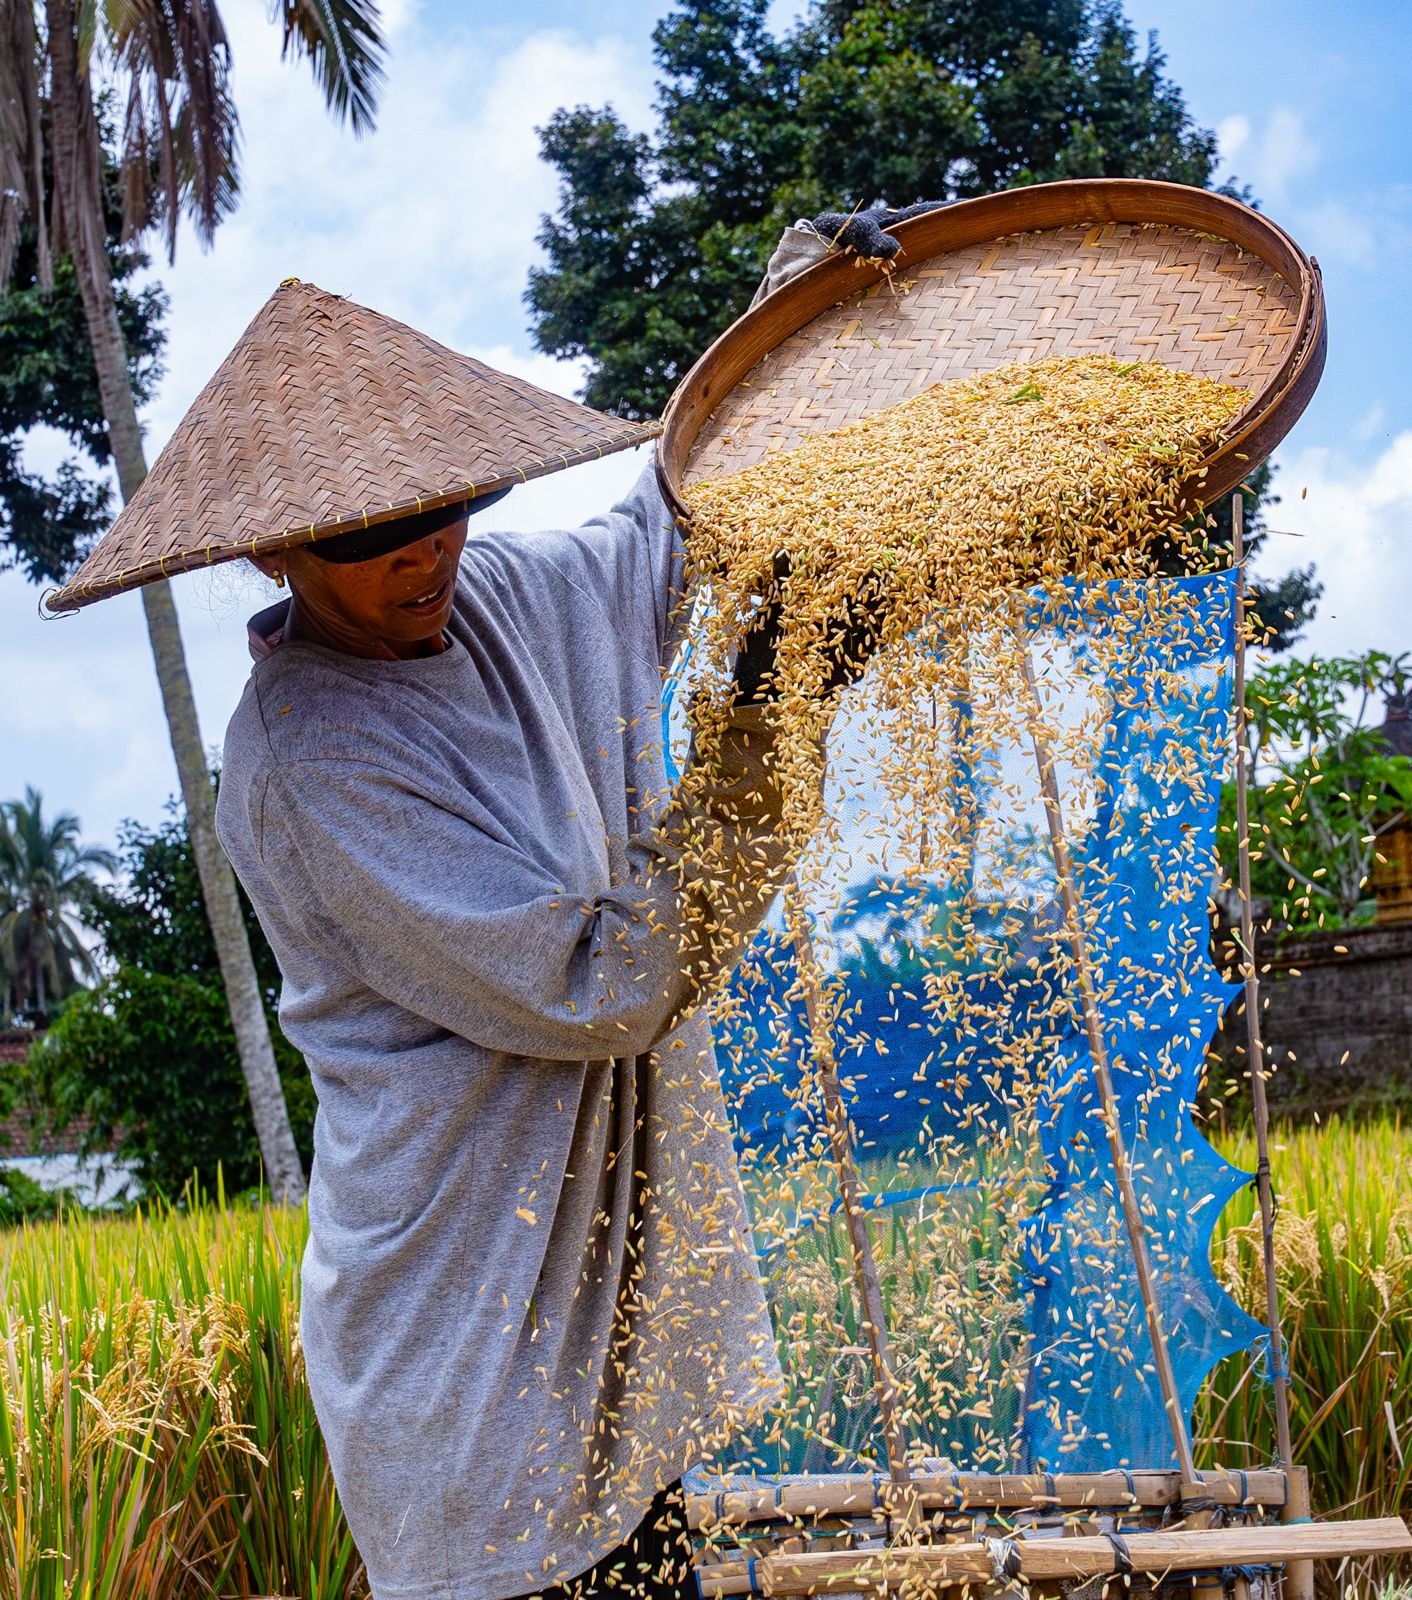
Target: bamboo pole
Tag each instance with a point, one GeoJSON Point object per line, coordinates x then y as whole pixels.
{"type": "Point", "coordinates": [865, 1268]}
{"type": "Point", "coordinates": [806, 1500]}
{"type": "Point", "coordinates": [1255, 1041]}
{"type": "Point", "coordinates": [1299, 1583]}
{"type": "Point", "coordinates": [1151, 1553]}
{"type": "Point", "coordinates": [1093, 1027]}
{"type": "Point", "coordinates": [1299, 1575]}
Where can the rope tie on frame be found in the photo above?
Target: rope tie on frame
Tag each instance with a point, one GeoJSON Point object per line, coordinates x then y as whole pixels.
{"type": "Point", "coordinates": [1122, 1556]}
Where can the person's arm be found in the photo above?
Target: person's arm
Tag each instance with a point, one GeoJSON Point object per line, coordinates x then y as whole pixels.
{"type": "Point", "coordinates": [456, 924]}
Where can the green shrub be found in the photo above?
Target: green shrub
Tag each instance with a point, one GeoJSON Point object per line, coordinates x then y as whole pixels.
{"type": "Point", "coordinates": [24, 1200]}
{"type": "Point", "coordinates": [152, 1060]}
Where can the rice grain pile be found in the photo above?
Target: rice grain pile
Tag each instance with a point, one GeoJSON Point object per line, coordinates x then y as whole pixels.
{"type": "Point", "coordinates": [931, 517]}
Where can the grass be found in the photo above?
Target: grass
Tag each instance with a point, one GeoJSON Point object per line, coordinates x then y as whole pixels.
{"type": "Point", "coordinates": [156, 1433]}
{"type": "Point", "coordinates": [157, 1438]}
{"type": "Point", "coordinates": [1344, 1246]}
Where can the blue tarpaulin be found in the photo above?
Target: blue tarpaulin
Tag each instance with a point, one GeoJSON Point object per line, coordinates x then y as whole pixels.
{"type": "Point", "coordinates": [968, 1077]}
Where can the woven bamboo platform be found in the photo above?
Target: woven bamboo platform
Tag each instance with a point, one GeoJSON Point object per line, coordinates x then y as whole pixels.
{"type": "Point", "coordinates": [867, 1535]}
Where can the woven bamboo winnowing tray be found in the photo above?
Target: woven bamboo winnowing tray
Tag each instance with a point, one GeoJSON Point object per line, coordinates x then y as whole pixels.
{"type": "Point", "coordinates": [1138, 270]}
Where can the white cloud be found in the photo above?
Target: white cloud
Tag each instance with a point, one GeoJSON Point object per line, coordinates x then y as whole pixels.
{"type": "Point", "coordinates": [1371, 423]}
{"type": "Point", "coordinates": [1286, 153]}
{"type": "Point", "coordinates": [1232, 136]}
{"type": "Point", "coordinates": [559, 377]}
{"type": "Point", "coordinates": [782, 15]}
{"type": "Point", "coordinates": [1274, 159]}
{"type": "Point", "coordinates": [1333, 231]}
{"type": "Point", "coordinates": [431, 220]}
{"type": "Point", "coordinates": [1353, 522]}
{"type": "Point", "coordinates": [1359, 227]}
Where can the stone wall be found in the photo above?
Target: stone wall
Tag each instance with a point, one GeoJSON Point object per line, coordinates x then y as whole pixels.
{"type": "Point", "coordinates": [21, 1132]}
{"type": "Point", "coordinates": [1338, 1019]}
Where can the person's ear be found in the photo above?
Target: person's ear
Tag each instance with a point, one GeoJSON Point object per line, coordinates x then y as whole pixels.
{"type": "Point", "coordinates": [273, 566]}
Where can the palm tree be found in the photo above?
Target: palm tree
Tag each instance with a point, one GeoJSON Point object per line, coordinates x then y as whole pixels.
{"type": "Point", "coordinates": [9, 983]}
{"type": "Point", "coordinates": [170, 60]}
{"type": "Point", "coordinates": [45, 873]}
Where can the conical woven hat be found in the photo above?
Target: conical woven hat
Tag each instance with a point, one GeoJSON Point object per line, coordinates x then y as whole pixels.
{"type": "Point", "coordinates": [327, 417]}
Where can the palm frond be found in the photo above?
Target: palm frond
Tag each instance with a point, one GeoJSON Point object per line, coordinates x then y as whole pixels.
{"type": "Point", "coordinates": [46, 876]}
{"type": "Point", "coordinates": [344, 45]}
{"type": "Point", "coordinates": [180, 129]}
{"type": "Point", "coordinates": [21, 138]}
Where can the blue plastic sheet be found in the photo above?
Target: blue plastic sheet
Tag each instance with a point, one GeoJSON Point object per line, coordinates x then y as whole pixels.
{"type": "Point", "coordinates": [968, 1076]}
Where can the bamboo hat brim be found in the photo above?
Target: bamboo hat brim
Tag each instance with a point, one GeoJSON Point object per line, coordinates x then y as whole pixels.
{"type": "Point", "coordinates": [327, 417]}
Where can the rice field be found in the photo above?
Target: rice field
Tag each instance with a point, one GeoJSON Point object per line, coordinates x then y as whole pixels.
{"type": "Point", "coordinates": [157, 1439]}
{"type": "Point", "coordinates": [1344, 1238]}
{"type": "Point", "coordinates": [156, 1434]}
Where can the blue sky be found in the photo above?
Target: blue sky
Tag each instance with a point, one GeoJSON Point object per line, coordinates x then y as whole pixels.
{"type": "Point", "coordinates": [433, 220]}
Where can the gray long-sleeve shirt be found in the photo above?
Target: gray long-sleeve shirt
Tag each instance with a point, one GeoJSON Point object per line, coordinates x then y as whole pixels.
{"type": "Point", "coordinates": [529, 1293]}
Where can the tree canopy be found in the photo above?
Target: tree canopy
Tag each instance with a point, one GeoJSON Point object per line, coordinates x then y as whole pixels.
{"type": "Point", "coordinates": [660, 238]}
{"type": "Point", "coordinates": [149, 1054]}
{"type": "Point", "coordinates": [1329, 786]}
{"type": "Point", "coordinates": [48, 378]}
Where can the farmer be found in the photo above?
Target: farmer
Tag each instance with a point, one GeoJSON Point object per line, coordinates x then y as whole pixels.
{"type": "Point", "coordinates": [530, 1302]}
{"type": "Point", "coordinates": [529, 1295]}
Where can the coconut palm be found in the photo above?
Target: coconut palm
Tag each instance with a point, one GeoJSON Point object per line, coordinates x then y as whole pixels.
{"type": "Point", "coordinates": [46, 872]}
{"type": "Point", "coordinates": [178, 142]}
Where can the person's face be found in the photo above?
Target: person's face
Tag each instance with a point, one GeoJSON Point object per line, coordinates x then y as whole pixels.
{"type": "Point", "coordinates": [390, 606]}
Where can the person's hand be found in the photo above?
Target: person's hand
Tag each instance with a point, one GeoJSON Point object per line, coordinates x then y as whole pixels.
{"type": "Point", "coordinates": [853, 640]}
{"type": "Point", "coordinates": [863, 233]}
{"type": "Point", "coordinates": [810, 240]}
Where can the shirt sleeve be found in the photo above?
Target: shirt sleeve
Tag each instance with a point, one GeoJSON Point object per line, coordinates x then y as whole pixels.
{"type": "Point", "coordinates": [799, 248]}
{"type": "Point", "coordinates": [459, 926]}
{"type": "Point", "coordinates": [627, 563]}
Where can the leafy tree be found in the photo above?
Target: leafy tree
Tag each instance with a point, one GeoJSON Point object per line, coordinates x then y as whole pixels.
{"type": "Point", "coordinates": [659, 239]}
{"type": "Point", "coordinates": [150, 1054]}
{"type": "Point", "coordinates": [1330, 787]}
{"type": "Point", "coordinates": [47, 378]}
{"type": "Point", "coordinates": [46, 874]}
{"type": "Point", "coordinates": [178, 157]}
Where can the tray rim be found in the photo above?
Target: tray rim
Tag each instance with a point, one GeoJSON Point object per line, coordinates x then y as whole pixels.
{"type": "Point", "coordinates": [1268, 416]}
